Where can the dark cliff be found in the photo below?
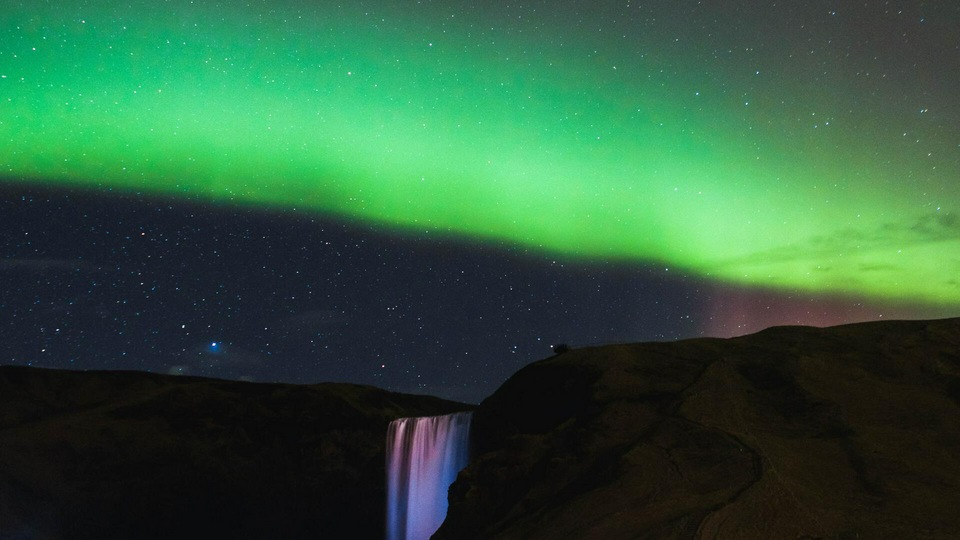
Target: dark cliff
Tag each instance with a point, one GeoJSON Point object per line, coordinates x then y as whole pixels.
{"type": "Point", "coordinates": [138, 455]}
{"type": "Point", "coordinates": [845, 432]}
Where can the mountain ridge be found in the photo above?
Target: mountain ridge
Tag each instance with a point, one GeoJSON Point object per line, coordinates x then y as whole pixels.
{"type": "Point", "coordinates": [105, 454]}
{"type": "Point", "coordinates": [793, 432]}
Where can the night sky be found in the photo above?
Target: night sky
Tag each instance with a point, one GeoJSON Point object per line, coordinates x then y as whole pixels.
{"type": "Point", "coordinates": [426, 196]}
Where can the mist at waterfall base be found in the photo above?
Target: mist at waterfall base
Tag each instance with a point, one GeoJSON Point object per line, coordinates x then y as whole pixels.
{"type": "Point", "coordinates": [424, 456]}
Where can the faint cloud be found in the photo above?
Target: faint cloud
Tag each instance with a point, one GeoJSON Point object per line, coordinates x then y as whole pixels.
{"type": "Point", "coordinates": [932, 227]}
{"type": "Point", "coordinates": [938, 225]}
{"type": "Point", "coordinates": [916, 257]}
{"type": "Point", "coordinates": [178, 370]}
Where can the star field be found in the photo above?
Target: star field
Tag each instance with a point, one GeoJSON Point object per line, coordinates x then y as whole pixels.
{"type": "Point", "coordinates": [427, 195]}
{"type": "Point", "coordinates": [141, 284]}
{"type": "Point", "coordinates": [137, 282]}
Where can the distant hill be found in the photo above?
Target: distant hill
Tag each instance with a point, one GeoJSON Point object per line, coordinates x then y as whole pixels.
{"type": "Point", "coordinates": [104, 455]}
{"type": "Point", "coordinates": [851, 432]}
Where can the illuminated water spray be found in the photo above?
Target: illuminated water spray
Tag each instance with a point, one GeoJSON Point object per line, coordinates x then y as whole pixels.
{"type": "Point", "coordinates": [424, 456]}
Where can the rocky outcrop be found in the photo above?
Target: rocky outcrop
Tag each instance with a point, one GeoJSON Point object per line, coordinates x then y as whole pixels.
{"type": "Point", "coordinates": [135, 455]}
{"type": "Point", "coordinates": [843, 433]}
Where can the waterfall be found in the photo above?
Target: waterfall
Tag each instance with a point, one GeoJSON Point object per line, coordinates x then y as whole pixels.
{"type": "Point", "coordinates": [424, 456]}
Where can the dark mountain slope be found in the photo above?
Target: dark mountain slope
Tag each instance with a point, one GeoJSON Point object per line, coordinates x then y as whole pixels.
{"type": "Point", "coordinates": [137, 455]}
{"type": "Point", "coordinates": [795, 432]}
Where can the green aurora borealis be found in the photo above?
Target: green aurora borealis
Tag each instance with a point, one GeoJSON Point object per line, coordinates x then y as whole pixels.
{"type": "Point", "coordinates": [792, 148]}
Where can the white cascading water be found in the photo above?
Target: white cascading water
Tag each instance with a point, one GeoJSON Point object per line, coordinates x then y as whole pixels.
{"type": "Point", "coordinates": [424, 456]}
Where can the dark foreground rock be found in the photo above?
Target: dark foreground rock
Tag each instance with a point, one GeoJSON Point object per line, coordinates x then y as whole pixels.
{"type": "Point", "coordinates": [841, 433]}
{"type": "Point", "coordinates": [102, 455]}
